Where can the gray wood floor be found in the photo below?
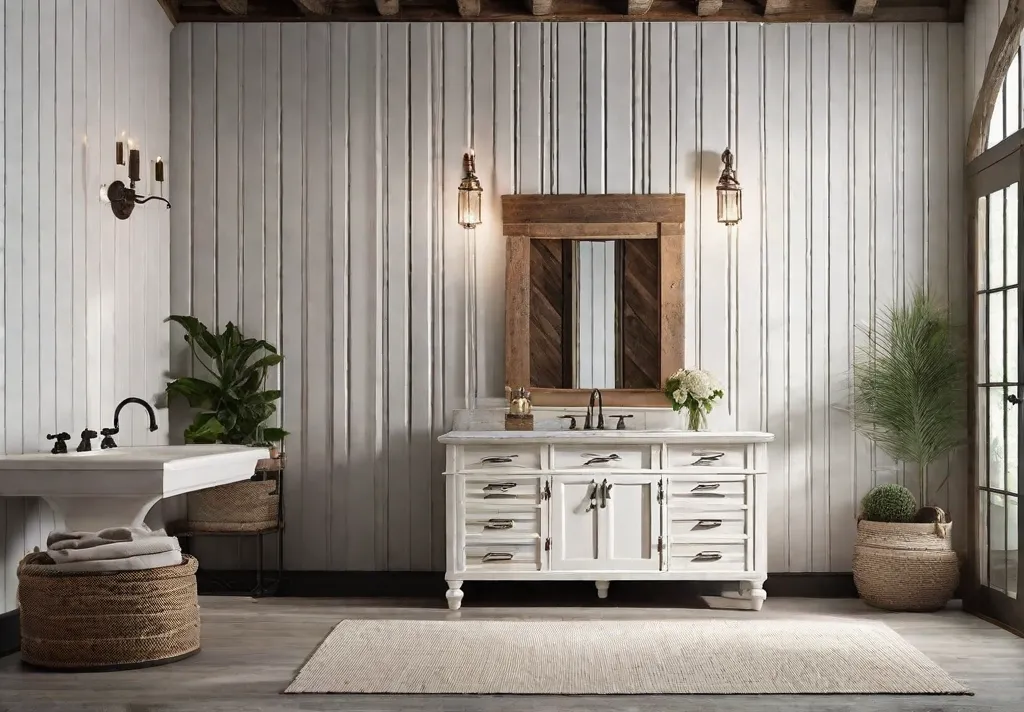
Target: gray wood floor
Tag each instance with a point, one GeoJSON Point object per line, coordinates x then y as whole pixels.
{"type": "Point", "coordinates": [251, 649]}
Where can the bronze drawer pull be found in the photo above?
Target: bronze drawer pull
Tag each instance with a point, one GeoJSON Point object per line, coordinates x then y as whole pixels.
{"type": "Point", "coordinates": [496, 459]}
{"type": "Point", "coordinates": [499, 486]}
{"type": "Point", "coordinates": [705, 487]}
{"type": "Point", "coordinates": [708, 556]}
{"type": "Point", "coordinates": [706, 459]}
{"type": "Point", "coordinates": [709, 523]}
{"type": "Point", "coordinates": [499, 524]}
{"type": "Point", "coordinates": [497, 556]}
{"type": "Point", "coordinates": [601, 459]}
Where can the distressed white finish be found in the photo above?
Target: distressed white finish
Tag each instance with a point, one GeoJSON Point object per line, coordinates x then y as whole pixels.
{"type": "Point", "coordinates": [320, 211]}
{"type": "Point", "coordinates": [82, 295]}
{"type": "Point", "coordinates": [97, 489]}
{"type": "Point", "coordinates": [606, 506]}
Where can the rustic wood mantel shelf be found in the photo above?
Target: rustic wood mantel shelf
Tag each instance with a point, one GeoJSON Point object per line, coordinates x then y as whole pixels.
{"type": "Point", "coordinates": [568, 10]}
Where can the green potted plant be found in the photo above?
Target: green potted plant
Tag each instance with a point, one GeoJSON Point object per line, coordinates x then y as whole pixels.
{"type": "Point", "coordinates": [909, 398]}
{"type": "Point", "coordinates": [232, 405]}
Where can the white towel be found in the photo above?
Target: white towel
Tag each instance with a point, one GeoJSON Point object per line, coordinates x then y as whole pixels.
{"type": "Point", "coordinates": [117, 550]}
{"type": "Point", "coordinates": [131, 563]}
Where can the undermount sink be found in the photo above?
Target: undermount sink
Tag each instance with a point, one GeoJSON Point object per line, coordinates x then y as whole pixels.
{"type": "Point", "coordinates": [117, 487]}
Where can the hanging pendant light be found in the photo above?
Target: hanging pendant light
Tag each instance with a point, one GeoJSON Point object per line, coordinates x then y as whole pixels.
{"type": "Point", "coordinates": [470, 193]}
{"type": "Point", "coordinates": [730, 195]}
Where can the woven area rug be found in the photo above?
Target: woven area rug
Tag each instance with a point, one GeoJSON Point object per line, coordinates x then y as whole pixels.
{"type": "Point", "coordinates": [619, 658]}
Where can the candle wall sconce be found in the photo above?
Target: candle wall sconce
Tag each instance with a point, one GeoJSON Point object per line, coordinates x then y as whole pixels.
{"type": "Point", "coordinates": [123, 198]}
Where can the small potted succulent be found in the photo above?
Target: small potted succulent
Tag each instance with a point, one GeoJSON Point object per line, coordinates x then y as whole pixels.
{"type": "Point", "coordinates": [909, 398]}
{"type": "Point", "coordinates": [232, 405]}
{"type": "Point", "coordinates": [694, 391]}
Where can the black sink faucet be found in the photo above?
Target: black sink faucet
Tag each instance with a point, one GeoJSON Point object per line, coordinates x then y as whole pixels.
{"type": "Point", "coordinates": [595, 399]}
{"type": "Point", "coordinates": [108, 433]}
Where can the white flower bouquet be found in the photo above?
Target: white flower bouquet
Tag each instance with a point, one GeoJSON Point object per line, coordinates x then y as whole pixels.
{"type": "Point", "coordinates": [696, 391]}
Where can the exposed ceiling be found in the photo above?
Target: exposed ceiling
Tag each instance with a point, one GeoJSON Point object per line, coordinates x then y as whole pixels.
{"type": "Point", "coordinates": [625, 10]}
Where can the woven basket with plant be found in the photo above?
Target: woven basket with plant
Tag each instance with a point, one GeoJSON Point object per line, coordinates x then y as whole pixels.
{"type": "Point", "coordinates": [909, 399]}
{"type": "Point", "coordinates": [233, 406]}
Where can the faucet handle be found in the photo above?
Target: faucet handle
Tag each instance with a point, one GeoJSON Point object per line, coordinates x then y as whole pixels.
{"type": "Point", "coordinates": [108, 441]}
{"type": "Point", "coordinates": [86, 444]}
{"type": "Point", "coordinates": [622, 421]}
{"type": "Point", "coordinates": [60, 447]}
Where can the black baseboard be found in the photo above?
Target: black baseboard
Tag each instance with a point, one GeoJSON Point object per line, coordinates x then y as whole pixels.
{"type": "Point", "coordinates": [10, 633]}
{"type": "Point", "coordinates": [427, 584]}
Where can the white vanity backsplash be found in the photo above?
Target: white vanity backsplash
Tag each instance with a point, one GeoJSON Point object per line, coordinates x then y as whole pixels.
{"type": "Point", "coordinates": [548, 418]}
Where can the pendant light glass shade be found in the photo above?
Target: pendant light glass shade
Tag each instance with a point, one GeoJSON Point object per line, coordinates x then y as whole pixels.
{"type": "Point", "coordinates": [730, 195]}
{"type": "Point", "coordinates": [470, 194]}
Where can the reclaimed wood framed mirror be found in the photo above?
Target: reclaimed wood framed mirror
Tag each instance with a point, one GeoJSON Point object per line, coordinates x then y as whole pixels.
{"type": "Point", "coordinates": [593, 296]}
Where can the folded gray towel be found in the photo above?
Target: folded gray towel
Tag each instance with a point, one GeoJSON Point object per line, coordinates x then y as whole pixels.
{"type": "Point", "coordinates": [117, 550]}
{"type": "Point", "coordinates": [132, 563]}
{"type": "Point", "coordinates": [84, 540]}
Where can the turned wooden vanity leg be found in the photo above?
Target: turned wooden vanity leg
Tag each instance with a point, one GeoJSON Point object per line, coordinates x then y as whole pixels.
{"type": "Point", "coordinates": [757, 594]}
{"type": "Point", "coordinates": [602, 588]}
{"type": "Point", "coordinates": [454, 595]}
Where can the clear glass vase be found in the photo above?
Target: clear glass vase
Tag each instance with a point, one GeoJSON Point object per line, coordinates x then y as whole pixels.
{"type": "Point", "coordinates": [696, 419]}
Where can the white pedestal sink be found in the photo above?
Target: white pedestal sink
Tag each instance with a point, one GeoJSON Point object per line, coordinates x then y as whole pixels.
{"type": "Point", "coordinates": [117, 487]}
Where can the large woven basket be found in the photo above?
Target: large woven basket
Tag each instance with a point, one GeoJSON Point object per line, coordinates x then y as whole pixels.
{"type": "Point", "coordinates": [905, 567]}
{"type": "Point", "coordinates": [89, 621]}
{"type": "Point", "coordinates": [249, 506]}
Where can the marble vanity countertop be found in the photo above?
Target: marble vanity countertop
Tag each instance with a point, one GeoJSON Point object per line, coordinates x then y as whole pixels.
{"type": "Point", "coordinates": [469, 437]}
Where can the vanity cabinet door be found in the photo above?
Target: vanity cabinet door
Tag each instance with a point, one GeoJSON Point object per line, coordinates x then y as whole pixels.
{"type": "Point", "coordinates": [630, 523]}
{"type": "Point", "coordinates": [605, 523]}
{"type": "Point", "coordinates": [574, 523]}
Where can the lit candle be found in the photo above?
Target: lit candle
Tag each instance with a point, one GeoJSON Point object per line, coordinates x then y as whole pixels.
{"type": "Point", "coordinates": [133, 164]}
{"type": "Point", "coordinates": [159, 168]}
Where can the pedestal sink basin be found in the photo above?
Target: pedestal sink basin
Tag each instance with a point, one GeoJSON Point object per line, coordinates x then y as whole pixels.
{"type": "Point", "coordinates": [117, 487]}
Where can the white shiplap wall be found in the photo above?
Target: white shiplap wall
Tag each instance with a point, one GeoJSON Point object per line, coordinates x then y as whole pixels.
{"type": "Point", "coordinates": [320, 212]}
{"type": "Point", "coordinates": [82, 295]}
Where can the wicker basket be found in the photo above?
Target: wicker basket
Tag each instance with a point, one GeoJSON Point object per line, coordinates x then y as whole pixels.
{"type": "Point", "coordinates": [89, 621]}
{"type": "Point", "coordinates": [249, 506]}
{"type": "Point", "coordinates": [905, 567]}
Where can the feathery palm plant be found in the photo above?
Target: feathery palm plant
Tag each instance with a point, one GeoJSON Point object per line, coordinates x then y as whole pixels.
{"type": "Point", "coordinates": [909, 385]}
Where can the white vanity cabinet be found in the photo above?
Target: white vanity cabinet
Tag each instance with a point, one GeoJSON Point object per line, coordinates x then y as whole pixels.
{"type": "Point", "coordinates": [608, 505]}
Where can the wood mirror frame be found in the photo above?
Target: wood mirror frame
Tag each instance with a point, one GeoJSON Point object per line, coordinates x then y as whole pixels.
{"type": "Point", "coordinates": [582, 217]}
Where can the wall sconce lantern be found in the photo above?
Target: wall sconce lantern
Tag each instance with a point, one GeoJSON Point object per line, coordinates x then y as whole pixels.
{"type": "Point", "coordinates": [123, 198]}
{"type": "Point", "coordinates": [470, 193]}
{"type": "Point", "coordinates": [730, 195]}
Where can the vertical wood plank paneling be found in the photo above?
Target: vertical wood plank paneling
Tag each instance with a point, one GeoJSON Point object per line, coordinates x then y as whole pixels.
{"type": "Point", "coordinates": [817, 294]}
{"type": "Point", "coordinates": [618, 108]}
{"type": "Point", "coordinates": [56, 315]}
{"type": "Point", "coordinates": [228, 140]}
{"type": "Point", "coordinates": [396, 256]}
{"type": "Point", "coordinates": [838, 506]}
{"type": "Point", "coordinates": [252, 235]}
{"type": "Point", "coordinates": [293, 240]}
{"type": "Point", "coordinates": [339, 466]}
{"type": "Point", "coordinates": [776, 116]}
{"type": "Point", "coordinates": [362, 502]}
{"type": "Point", "coordinates": [316, 532]}
{"type": "Point", "coordinates": [423, 478]}
{"type": "Point", "coordinates": [822, 136]}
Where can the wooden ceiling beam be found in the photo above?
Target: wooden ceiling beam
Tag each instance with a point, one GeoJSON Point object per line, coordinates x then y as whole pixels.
{"type": "Point", "coordinates": [775, 7]}
{"type": "Point", "coordinates": [707, 8]}
{"type": "Point", "coordinates": [234, 7]}
{"type": "Point", "coordinates": [540, 7]}
{"type": "Point", "coordinates": [320, 7]}
{"type": "Point", "coordinates": [387, 7]}
{"type": "Point", "coordinates": [469, 8]}
{"type": "Point", "coordinates": [170, 8]}
{"type": "Point", "coordinates": [863, 9]}
{"type": "Point", "coordinates": [638, 7]}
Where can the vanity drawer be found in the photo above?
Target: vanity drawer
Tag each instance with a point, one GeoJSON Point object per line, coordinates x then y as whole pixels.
{"type": "Point", "coordinates": [496, 556]}
{"type": "Point", "coordinates": [503, 524]}
{"type": "Point", "coordinates": [707, 526]}
{"type": "Point", "coordinates": [489, 492]}
{"type": "Point", "coordinates": [608, 457]}
{"type": "Point", "coordinates": [707, 456]}
{"type": "Point", "coordinates": [694, 492]}
{"type": "Point", "coordinates": [708, 557]}
{"type": "Point", "coordinates": [498, 458]}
